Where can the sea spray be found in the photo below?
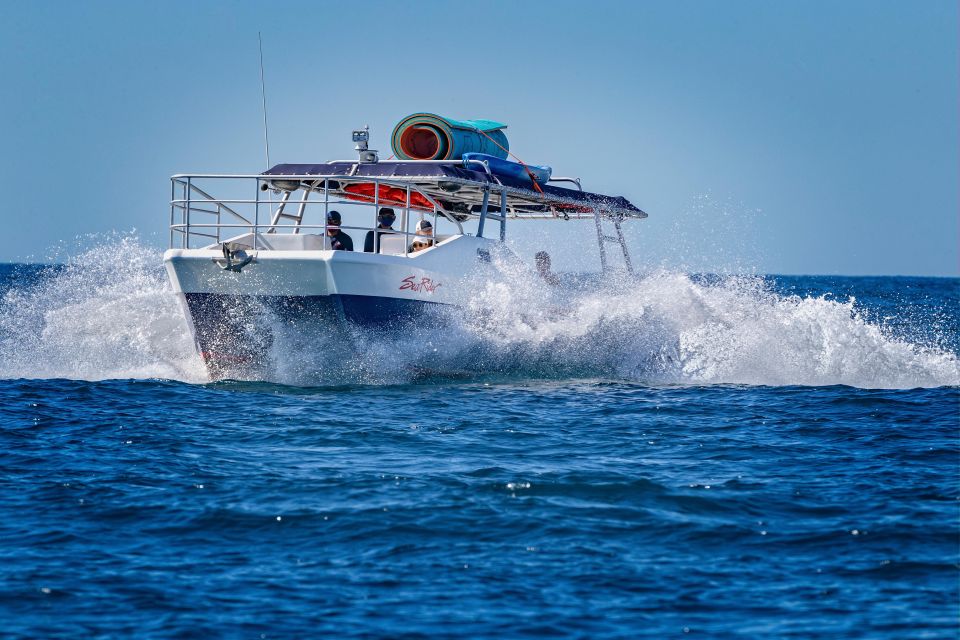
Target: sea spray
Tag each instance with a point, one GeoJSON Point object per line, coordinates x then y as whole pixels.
{"type": "Point", "coordinates": [674, 328]}
{"type": "Point", "coordinates": [108, 313]}
{"type": "Point", "coordinates": [111, 313]}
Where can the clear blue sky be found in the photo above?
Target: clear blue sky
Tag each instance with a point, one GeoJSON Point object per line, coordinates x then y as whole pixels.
{"type": "Point", "coordinates": [786, 137]}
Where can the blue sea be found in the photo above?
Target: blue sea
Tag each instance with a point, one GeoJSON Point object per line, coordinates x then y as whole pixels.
{"type": "Point", "coordinates": [665, 456]}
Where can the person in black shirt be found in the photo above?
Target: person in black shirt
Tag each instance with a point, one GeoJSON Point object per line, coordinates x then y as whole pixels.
{"type": "Point", "coordinates": [385, 218]}
{"type": "Point", "coordinates": [339, 241]}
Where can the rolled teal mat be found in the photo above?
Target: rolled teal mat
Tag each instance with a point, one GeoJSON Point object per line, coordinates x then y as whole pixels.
{"type": "Point", "coordinates": [427, 136]}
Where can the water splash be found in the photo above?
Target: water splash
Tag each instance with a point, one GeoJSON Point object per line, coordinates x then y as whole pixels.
{"type": "Point", "coordinates": [669, 327]}
{"type": "Point", "coordinates": [110, 313]}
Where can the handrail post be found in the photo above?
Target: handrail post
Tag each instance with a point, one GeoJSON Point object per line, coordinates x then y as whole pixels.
{"type": "Point", "coordinates": [406, 225]}
{"type": "Point", "coordinates": [483, 211]}
{"type": "Point", "coordinates": [256, 213]}
{"type": "Point", "coordinates": [326, 210]}
{"type": "Point", "coordinates": [173, 196]}
{"type": "Point", "coordinates": [376, 212]}
{"type": "Point", "coordinates": [503, 214]}
{"type": "Point", "coordinates": [186, 213]}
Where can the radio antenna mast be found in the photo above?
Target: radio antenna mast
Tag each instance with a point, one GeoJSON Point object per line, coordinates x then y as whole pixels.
{"type": "Point", "coordinates": [263, 96]}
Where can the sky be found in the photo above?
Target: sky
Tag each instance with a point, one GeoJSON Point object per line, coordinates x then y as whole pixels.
{"type": "Point", "coordinates": [794, 137]}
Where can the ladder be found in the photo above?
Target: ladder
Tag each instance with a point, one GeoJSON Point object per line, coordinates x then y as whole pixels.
{"type": "Point", "coordinates": [603, 238]}
{"type": "Point", "coordinates": [297, 217]}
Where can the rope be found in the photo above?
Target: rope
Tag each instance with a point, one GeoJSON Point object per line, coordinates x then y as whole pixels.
{"type": "Point", "coordinates": [533, 178]}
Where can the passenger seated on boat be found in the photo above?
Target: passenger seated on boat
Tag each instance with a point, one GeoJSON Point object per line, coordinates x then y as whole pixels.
{"type": "Point", "coordinates": [425, 241]}
{"type": "Point", "coordinates": [543, 268]}
{"type": "Point", "coordinates": [339, 241]}
{"type": "Point", "coordinates": [385, 218]}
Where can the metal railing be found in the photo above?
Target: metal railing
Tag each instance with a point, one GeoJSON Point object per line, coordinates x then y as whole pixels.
{"type": "Point", "coordinates": [197, 217]}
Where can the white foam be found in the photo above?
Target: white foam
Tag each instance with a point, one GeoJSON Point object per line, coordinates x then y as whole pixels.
{"type": "Point", "coordinates": [668, 328]}
{"type": "Point", "coordinates": [111, 314]}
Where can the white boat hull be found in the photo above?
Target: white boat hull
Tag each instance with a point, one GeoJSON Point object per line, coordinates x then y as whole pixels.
{"type": "Point", "coordinates": [316, 290]}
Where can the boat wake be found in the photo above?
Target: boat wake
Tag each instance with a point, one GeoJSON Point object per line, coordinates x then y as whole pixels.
{"type": "Point", "coordinates": [110, 313]}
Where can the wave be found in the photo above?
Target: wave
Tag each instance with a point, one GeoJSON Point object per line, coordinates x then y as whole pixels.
{"type": "Point", "coordinates": [110, 313]}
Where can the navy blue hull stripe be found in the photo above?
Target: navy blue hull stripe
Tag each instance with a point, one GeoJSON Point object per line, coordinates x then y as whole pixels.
{"type": "Point", "coordinates": [238, 327]}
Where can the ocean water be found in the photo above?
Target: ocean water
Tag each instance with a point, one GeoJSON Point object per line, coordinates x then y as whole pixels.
{"type": "Point", "coordinates": [672, 455]}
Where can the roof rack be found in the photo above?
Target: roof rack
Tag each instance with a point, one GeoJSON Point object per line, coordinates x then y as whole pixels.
{"type": "Point", "coordinates": [458, 191]}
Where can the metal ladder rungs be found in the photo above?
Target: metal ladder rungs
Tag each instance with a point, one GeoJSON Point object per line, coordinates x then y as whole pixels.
{"type": "Point", "coordinates": [603, 238]}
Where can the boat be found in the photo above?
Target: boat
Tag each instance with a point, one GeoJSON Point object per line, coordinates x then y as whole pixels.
{"type": "Point", "coordinates": [260, 253]}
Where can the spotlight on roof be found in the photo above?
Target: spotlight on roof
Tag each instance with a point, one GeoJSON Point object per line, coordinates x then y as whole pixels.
{"type": "Point", "coordinates": [362, 138]}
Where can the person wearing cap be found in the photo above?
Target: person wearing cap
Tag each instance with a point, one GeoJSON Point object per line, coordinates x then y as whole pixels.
{"type": "Point", "coordinates": [339, 241]}
{"type": "Point", "coordinates": [425, 237]}
{"type": "Point", "coordinates": [385, 218]}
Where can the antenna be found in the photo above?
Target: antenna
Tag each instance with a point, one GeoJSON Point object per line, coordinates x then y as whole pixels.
{"type": "Point", "coordinates": [263, 95]}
